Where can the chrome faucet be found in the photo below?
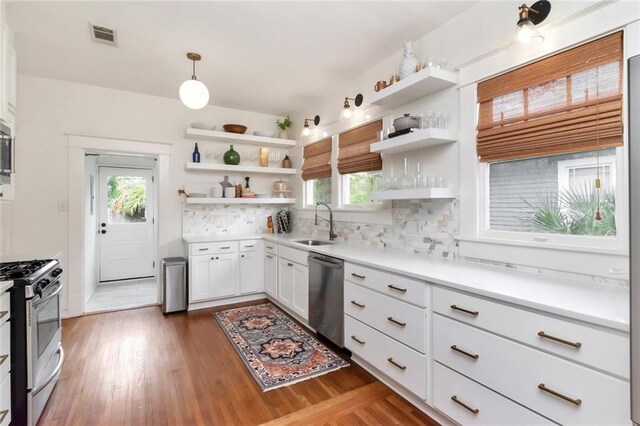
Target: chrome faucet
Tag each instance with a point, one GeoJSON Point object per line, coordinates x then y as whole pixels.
{"type": "Point", "coordinates": [332, 234]}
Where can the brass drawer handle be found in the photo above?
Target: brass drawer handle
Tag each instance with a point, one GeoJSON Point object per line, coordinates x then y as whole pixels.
{"type": "Point", "coordinates": [395, 321]}
{"type": "Point", "coordinates": [466, 311]}
{"type": "Point", "coordinates": [362, 342]}
{"type": "Point", "coordinates": [353, 302]}
{"type": "Point", "coordinates": [393, 287]}
{"type": "Point", "coordinates": [400, 366]}
{"type": "Point", "coordinates": [269, 256]}
{"type": "Point", "coordinates": [3, 313]}
{"type": "Point", "coordinates": [463, 352]}
{"type": "Point", "coordinates": [3, 413]}
{"type": "Point", "coordinates": [541, 386]}
{"type": "Point", "coordinates": [455, 399]}
{"type": "Point", "coordinates": [362, 277]}
{"type": "Point", "coordinates": [3, 358]}
{"type": "Point", "coordinates": [544, 335]}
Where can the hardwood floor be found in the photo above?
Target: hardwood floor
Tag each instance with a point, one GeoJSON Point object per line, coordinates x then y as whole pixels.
{"type": "Point", "coordinates": [140, 367]}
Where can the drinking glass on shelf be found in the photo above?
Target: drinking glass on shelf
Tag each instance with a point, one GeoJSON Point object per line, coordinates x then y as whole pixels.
{"type": "Point", "coordinates": [437, 120]}
{"type": "Point", "coordinates": [432, 182]}
{"type": "Point", "coordinates": [440, 182]}
{"type": "Point", "coordinates": [444, 121]}
{"type": "Point", "coordinates": [441, 63]}
{"type": "Point", "coordinates": [406, 180]}
{"type": "Point", "coordinates": [431, 61]}
{"type": "Point", "coordinates": [428, 120]}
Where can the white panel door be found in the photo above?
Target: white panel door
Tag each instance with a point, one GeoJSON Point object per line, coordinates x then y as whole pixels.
{"type": "Point", "coordinates": [223, 272]}
{"type": "Point", "coordinates": [285, 282]}
{"type": "Point", "coordinates": [200, 283]}
{"type": "Point", "coordinates": [126, 223]}
{"type": "Point", "coordinates": [271, 275]}
{"type": "Point", "coordinates": [251, 273]}
{"type": "Point", "coordinates": [301, 290]}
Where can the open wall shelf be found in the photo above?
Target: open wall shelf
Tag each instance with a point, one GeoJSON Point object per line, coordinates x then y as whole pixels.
{"type": "Point", "coordinates": [203, 167]}
{"type": "Point", "coordinates": [240, 201]}
{"type": "Point", "coordinates": [414, 194]}
{"type": "Point", "coordinates": [425, 82]}
{"type": "Point", "coordinates": [214, 135]}
{"type": "Point", "coordinates": [418, 138]}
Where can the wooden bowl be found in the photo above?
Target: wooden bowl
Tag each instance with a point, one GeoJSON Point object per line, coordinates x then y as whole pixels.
{"type": "Point", "coordinates": [234, 128]}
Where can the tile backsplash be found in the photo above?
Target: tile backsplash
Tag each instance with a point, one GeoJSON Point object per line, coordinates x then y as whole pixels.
{"type": "Point", "coordinates": [225, 219]}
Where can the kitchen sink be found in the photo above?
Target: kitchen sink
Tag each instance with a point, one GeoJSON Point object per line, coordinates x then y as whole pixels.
{"type": "Point", "coordinates": [311, 242]}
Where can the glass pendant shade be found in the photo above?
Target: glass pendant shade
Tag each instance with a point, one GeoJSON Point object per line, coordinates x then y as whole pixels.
{"type": "Point", "coordinates": [306, 131]}
{"type": "Point", "coordinates": [346, 114]}
{"type": "Point", "coordinates": [194, 94]}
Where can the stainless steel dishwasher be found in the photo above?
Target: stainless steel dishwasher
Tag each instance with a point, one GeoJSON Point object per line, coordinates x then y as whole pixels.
{"type": "Point", "coordinates": [326, 296]}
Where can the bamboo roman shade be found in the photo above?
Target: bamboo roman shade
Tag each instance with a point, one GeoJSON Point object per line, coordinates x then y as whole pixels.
{"type": "Point", "coordinates": [354, 154]}
{"type": "Point", "coordinates": [569, 102]}
{"type": "Point", "coordinates": [317, 160]}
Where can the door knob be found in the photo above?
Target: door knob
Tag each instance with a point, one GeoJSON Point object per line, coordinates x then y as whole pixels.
{"type": "Point", "coordinates": [103, 224]}
{"type": "Point", "coordinates": [103, 232]}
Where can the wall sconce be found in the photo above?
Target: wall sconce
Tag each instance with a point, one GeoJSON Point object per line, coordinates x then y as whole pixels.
{"type": "Point", "coordinates": [529, 17]}
{"type": "Point", "coordinates": [346, 108]}
{"type": "Point", "coordinates": [193, 93]}
{"type": "Point", "coordinates": [305, 129]}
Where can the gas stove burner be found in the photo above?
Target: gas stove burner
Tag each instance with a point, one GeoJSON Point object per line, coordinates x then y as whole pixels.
{"type": "Point", "coordinates": [21, 269]}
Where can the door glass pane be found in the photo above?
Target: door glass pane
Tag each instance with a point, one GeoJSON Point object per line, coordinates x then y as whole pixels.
{"type": "Point", "coordinates": [126, 199]}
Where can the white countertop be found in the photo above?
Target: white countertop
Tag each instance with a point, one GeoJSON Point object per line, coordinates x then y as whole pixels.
{"type": "Point", "coordinates": [5, 285]}
{"type": "Point", "coordinates": [583, 300]}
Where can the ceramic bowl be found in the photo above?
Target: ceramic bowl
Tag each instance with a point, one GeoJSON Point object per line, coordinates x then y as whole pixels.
{"type": "Point", "coordinates": [264, 133]}
{"type": "Point", "coordinates": [203, 126]}
{"type": "Point", "coordinates": [235, 128]}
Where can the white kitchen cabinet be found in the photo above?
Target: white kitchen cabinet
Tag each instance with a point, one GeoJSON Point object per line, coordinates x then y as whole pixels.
{"type": "Point", "coordinates": [8, 76]}
{"type": "Point", "coordinates": [200, 282]}
{"type": "Point", "coordinates": [251, 273]}
{"type": "Point", "coordinates": [293, 286]}
{"type": "Point", "coordinates": [271, 275]}
{"type": "Point", "coordinates": [224, 274]}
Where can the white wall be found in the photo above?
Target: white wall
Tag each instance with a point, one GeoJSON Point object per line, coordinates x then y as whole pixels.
{"type": "Point", "coordinates": [50, 109]}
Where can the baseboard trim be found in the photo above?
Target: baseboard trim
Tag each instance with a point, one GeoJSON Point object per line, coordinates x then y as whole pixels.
{"type": "Point", "coordinates": [226, 301]}
{"type": "Point", "coordinates": [414, 400]}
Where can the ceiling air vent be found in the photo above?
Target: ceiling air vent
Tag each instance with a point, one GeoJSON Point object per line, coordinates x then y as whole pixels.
{"type": "Point", "coordinates": [103, 35]}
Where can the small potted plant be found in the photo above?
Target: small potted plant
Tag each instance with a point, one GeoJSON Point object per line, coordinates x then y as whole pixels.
{"type": "Point", "coordinates": [284, 125]}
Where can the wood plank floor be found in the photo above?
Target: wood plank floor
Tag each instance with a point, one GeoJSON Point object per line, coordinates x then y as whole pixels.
{"type": "Point", "coordinates": [139, 367]}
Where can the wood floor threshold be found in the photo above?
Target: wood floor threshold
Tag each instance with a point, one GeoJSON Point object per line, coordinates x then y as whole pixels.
{"type": "Point", "coordinates": [337, 406]}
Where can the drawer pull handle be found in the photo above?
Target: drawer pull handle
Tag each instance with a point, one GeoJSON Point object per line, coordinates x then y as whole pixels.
{"type": "Point", "coordinates": [362, 342]}
{"type": "Point", "coordinates": [465, 353]}
{"type": "Point", "coordinates": [455, 399]}
{"type": "Point", "coordinates": [269, 256]}
{"type": "Point", "coordinates": [466, 311]}
{"type": "Point", "coordinates": [203, 249]}
{"type": "Point", "coordinates": [3, 358]}
{"type": "Point", "coordinates": [541, 386]}
{"type": "Point", "coordinates": [3, 413]}
{"type": "Point", "coordinates": [544, 335]}
{"type": "Point", "coordinates": [393, 287]}
{"type": "Point", "coordinates": [248, 246]}
{"type": "Point", "coordinates": [3, 313]}
{"type": "Point", "coordinates": [225, 248]}
{"type": "Point", "coordinates": [400, 366]}
{"type": "Point", "coordinates": [362, 277]}
{"type": "Point", "coordinates": [395, 321]}
{"type": "Point", "coordinates": [270, 247]}
{"type": "Point", "coordinates": [353, 302]}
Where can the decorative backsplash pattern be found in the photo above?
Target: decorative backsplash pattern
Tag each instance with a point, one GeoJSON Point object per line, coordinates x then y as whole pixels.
{"type": "Point", "coordinates": [418, 226]}
{"type": "Point", "coordinates": [224, 219]}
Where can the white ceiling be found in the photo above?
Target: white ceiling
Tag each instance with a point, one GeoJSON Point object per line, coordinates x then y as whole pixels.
{"type": "Point", "coordinates": [271, 57]}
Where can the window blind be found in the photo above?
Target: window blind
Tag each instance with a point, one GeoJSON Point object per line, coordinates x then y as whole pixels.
{"type": "Point", "coordinates": [317, 160]}
{"type": "Point", "coordinates": [569, 102]}
{"type": "Point", "coordinates": [354, 154]}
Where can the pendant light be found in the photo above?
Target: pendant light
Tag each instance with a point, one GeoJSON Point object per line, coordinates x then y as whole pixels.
{"type": "Point", "coordinates": [346, 108]}
{"type": "Point", "coordinates": [193, 93]}
{"type": "Point", "coordinates": [529, 17]}
{"type": "Point", "coordinates": [305, 128]}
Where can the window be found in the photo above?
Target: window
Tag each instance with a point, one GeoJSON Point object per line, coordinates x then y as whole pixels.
{"type": "Point", "coordinates": [357, 188]}
{"type": "Point", "coordinates": [546, 132]}
{"type": "Point", "coordinates": [316, 172]}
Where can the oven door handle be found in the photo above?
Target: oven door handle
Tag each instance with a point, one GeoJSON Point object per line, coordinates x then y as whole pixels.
{"type": "Point", "coordinates": [48, 380]}
{"type": "Point", "coordinates": [51, 296]}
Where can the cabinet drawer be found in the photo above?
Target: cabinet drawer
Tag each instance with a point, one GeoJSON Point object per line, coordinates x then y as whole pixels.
{"type": "Point", "coordinates": [397, 286]}
{"type": "Point", "coordinates": [531, 377]}
{"type": "Point", "coordinates": [402, 364]}
{"type": "Point", "coordinates": [5, 348]}
{"type": "Point", "coordinates": [399, 320]}
{"type": "Point", "coordinates": [602, 349]}
{"type": "Point", "coordinates": [5, 400]}
{"type": "Point", "coordinates": [219, 247]}
{"type": "Point", "coordinates": [297, 256]}
{"type": "Point", "coordinates": [270, 247]}
{"type": "Point", "coordinates": [469, 403]}
{"type": "Point", "coordinates": [249, 245]}
{"type": "Point", "coordinates": [5, 307]}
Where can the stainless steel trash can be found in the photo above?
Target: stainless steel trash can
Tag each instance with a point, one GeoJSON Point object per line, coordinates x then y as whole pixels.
{"type": "Point", "coordinates": [174, 284]}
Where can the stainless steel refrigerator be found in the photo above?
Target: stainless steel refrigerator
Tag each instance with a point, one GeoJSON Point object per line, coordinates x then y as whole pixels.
{"type": "Point", "coordinates": [634, 217]}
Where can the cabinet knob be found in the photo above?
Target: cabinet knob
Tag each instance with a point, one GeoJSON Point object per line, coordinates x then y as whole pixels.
{"type": "Point", "coordinates": [242, 255]}
{"type": "Point", "coordinates": [1, 194]}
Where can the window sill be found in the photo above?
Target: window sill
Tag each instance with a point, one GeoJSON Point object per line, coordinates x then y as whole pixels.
{"type": "Point", "coordinates": [604, 262]}
{"type": "Point", "coordinates": [377, 216]}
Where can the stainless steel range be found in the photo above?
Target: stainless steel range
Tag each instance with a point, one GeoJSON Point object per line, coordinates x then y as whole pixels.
{"type": "Point", "coordinates": [36, 335]}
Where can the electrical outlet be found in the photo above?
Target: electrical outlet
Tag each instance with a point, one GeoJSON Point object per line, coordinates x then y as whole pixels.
{"type": "Point", "coordinates": [62, 205]}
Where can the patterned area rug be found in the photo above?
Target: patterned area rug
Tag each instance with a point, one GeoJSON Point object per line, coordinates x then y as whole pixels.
{"type": "Point", "coordinates": [276, 350]}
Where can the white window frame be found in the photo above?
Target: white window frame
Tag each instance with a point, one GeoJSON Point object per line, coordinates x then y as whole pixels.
{"type": "Point", "coordinates": [345, 195]}
{"type": "Point", "coordinates": [583, 163]}
{"type": "Point", "coordinates": [307, 191]}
